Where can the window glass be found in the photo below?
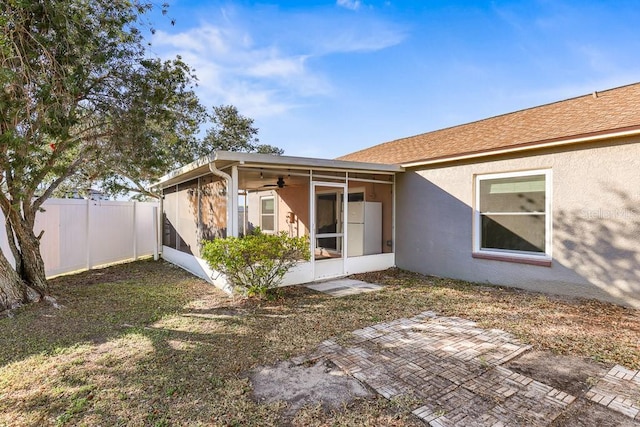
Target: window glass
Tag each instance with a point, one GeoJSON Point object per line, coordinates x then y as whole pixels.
{"type": "Point", "coordinates": [267, 205]}
{"type": "Point", "coordinates": [513, 232]}
{"type": "Point", "coordinates": [356, 197]}
{"type": "Point", "coordinates": [267, 213]}
{"type": "Point", "coordinates": [512, 211]}
{"type": "Point", "coordinates": [518, 194]}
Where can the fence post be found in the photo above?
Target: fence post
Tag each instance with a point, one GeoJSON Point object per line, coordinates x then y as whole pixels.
{"type": "Point", "coordinates": [87, 235]}
{"type": "Point", "coordinates": [135, 233]}
{"type": "Point", "coordinates": [156, 233]}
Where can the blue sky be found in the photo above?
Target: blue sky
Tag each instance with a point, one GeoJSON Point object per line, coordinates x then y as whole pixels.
{"type": "Point", "coordinates": [325, 78]}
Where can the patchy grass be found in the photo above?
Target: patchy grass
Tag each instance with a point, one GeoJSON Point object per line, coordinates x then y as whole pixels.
{"type": "Point", "coordinates": [148, 344]}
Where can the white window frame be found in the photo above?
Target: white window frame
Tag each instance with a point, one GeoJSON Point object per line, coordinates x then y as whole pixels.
{"type": "Point", "coordinates": [275, 214]}
{"type": "Point", "coordinates": [507, 254]}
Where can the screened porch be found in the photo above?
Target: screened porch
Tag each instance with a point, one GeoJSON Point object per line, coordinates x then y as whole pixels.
{"type": "Point", "coordinates": [346, 209]}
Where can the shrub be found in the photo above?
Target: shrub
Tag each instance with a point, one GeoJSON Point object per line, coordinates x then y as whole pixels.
{"type": "Point", "coordinates": [257, 262]}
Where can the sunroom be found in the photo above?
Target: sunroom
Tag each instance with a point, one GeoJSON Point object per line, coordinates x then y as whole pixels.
{"type": "Point", "coordinates": [347, 210]}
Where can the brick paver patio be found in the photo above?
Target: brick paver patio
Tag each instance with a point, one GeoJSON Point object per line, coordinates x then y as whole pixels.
{"type": "Point", "coordinates": [454, 368]}
{"type": "Point", "coordinates": [619, 390]}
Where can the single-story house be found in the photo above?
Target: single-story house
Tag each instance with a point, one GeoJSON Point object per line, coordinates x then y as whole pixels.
{"type": "Point", "coordinates": [545, 199]}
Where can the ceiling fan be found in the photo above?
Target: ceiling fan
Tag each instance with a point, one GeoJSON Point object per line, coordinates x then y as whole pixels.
{"type": "Point", "coordinates": [279, 184]}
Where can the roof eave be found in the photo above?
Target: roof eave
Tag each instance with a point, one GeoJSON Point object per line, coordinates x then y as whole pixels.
{"type": "Point", "coordinates": [272, 160]}
{"type": "Point", "coordinates": [202, 161]}
{"type": "Point", "coordinates": [620, 133]}
{"type": "Point", "coordinates": [310, 162]}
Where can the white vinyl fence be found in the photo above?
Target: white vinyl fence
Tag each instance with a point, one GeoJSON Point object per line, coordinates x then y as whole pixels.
{"type": "Point", "coordinates": [82, 234]}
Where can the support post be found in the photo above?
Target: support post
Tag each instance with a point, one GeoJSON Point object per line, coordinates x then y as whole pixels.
{"type": "Point", "coordinates": [87, 234]}
{"type": "Point", "coordinates": [160, 225]}
{"type": "Point", "coordinates": [135, 233]}
{"type": "Point", "coordinates": [233, 195]}
{"type": "Point", "coordinates": [156, 232]}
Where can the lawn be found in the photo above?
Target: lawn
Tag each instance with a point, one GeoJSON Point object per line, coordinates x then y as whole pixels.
{"type": "Point", "coordinates": [147, 344]}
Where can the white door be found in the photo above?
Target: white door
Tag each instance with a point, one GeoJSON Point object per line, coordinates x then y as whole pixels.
{"type": "Point", "coordinates": [328, 239]}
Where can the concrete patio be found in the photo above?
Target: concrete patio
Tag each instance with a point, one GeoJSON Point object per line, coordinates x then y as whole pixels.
{"type": "Point", "coordinates": [343, 287]}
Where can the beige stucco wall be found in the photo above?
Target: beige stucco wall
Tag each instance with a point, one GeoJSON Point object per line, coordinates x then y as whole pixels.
{"type": "Point", "coordinates": [288, 200]}
{"type": "Point", "coordinates": [596, 222]}
{"type": "Point", "coordinates": [294, 200]}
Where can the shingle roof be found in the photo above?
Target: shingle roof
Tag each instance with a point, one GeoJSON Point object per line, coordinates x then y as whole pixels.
{"type": "Point", "coordinates": [613, 110]}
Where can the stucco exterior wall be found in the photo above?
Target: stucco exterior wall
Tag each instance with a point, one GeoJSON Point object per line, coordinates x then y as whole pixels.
{"type": "Point", "coordinates": [596, 222]}
{"type": "Point", "coordinates": [294, 200]}
{"type": "Point", "coordinates": [288, 200]}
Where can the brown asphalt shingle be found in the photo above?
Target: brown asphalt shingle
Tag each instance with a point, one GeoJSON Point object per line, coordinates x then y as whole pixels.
{"type": "Point", "coordinates": [612, 110]}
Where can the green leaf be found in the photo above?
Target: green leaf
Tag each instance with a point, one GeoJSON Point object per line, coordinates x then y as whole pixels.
{"type": "Point", "coordinates": [257, 262]}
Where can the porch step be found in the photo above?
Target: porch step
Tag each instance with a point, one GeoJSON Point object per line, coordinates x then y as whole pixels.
{"type": "Point", "coordinates": [343, 287]}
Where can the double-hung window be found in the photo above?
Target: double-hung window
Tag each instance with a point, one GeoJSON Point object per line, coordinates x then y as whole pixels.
{"type": "Point", "coordinates": [268, 214]}
{"type": "Point", "coordinates": [513, 215]}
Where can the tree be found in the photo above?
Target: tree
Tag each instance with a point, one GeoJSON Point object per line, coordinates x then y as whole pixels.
{"type": "Point", "coordinates": [116, 173]}
{"type": "Point", "coordinates": [231, 131]}
{"type": "Point", "coordinates": [80, 96]}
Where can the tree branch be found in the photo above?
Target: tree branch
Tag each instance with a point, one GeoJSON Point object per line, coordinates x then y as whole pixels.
{"type": "Point", "coordinates": [47, 193]}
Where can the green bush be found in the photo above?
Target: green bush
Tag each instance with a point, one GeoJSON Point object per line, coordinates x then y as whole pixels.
{"type": "Point", "coordinates": [257, 262]}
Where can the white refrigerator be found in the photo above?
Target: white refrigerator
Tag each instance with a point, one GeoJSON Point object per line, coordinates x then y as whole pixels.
{"type": "Point", "coordinates": [364, 228]}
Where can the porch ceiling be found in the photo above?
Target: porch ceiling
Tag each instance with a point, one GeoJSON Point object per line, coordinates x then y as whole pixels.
{"type": "Point", "coordinates": [267, 179]}
{"type": "Point", "coordinates": [271, 166]}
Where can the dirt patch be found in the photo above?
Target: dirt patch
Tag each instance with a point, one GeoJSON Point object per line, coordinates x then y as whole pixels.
{"type": "Point", "coordinates": [571, 374]}
{"type": "Point", "coordinates": [583, 413]}
{"type": "Point", "coordinates": [300, 385]}
{"type": "Point", "coordinates": [574, 375]}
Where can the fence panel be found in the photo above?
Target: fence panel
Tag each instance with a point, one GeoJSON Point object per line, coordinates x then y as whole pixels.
{"type": "Point", "coordinates": [105, 245]}
{"type": "Point", "coordinates": [4, 242]}
{"type": "Point", "coordinates": [147, 220]}
{"type": "Point", "coordinates": [82, 234]}
{"type": "Point", "coordinates": [63, 245]}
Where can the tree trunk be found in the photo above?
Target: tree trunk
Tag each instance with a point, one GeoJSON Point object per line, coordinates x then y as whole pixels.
{"type": "Point", "coordinates": [13, 291]}
{"type": "Point", "coordinates": [14, 248]}
{"type": "Point", "coordinates": [32, 264]}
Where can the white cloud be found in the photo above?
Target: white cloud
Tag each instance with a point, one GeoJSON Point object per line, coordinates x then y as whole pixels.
{"type": "Point", "coordinates": [259, 60]}
{"type": "Point", "coordinates": [278, 67]}
{"type": "Point", "coordinates": [374, 36]}
{"type": "Point", "coordinates": [349, 4]}
{"type": "Point", "coordinates": [261, 82]}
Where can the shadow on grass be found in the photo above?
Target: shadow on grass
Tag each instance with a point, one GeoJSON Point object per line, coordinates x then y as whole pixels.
{"type": "Point", "coordinates": [148, 344]}
{"type": "Point", "coordinates": [133, 344]}
{"type": "Point", "coordinates": [99, 305]}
